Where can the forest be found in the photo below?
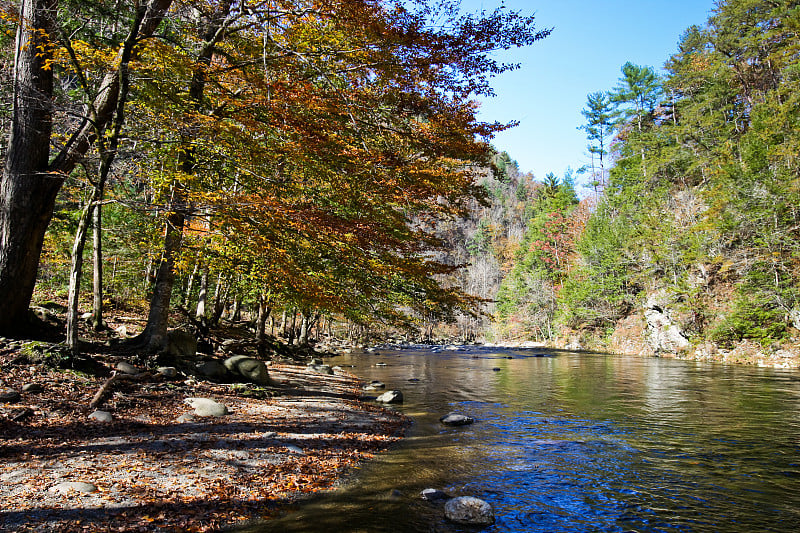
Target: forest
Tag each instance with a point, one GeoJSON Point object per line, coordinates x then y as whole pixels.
{"type": "Point", "coordinates": [685, 240]}
{"type": "Point", "coordinates": [241, 159]}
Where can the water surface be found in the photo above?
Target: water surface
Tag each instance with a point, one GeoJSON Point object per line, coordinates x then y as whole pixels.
{"type": "Point", "coordinates": [576, 442]}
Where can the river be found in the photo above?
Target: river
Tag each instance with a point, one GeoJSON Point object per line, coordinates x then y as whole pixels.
{"type": "Point", "coordinates": [575, 442]}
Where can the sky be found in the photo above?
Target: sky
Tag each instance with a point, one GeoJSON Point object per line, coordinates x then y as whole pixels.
{"type": "Point", "coordinates": [591, 40]}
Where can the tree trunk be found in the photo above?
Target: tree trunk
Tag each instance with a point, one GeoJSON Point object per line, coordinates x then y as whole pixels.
{"type": "Point", "coordinates": [27, 191]}
{"type": "Point", "coordinates": [302, 338]}
{"type": "Point", "coordinates": [75, 274]}
{"type": "Point", "coordinates": [236, 310]}
{"type": "Point", "coordinates": [220, 300]}
{"type": "Point", "coordinates": [187, 296]}
{"type": "Point", "coordinates": [97, 274]}
{"type": "Point", "coordinates": [261, 324]}
{"type": "Point", "coordinates": [292, 330]}
{"type": "Point", "coordinates": [154, 336]}
{"type": "Point", "coordinates": [202, 297]}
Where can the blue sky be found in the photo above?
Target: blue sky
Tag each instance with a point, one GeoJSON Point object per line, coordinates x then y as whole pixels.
{"type": "Point", "coordinates": [590, 42]}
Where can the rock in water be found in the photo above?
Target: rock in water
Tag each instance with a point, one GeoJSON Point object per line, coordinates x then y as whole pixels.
{"type": "Point", "coordinates": [456, 419]}
{"type": "Point", "coordinates": [391, 396]}
{"type": "Point", "coordinates": [206, 407]}
{"type": "Point", "coordinates": [469, 510]}
{"type": "Point", "coordinates": [248, 367]}
{"type": "Point", "coordinates": [433, 495]}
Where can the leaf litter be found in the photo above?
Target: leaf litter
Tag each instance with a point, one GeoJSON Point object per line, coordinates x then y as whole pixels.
{"type": "Point", "coordinates": [154, 473]}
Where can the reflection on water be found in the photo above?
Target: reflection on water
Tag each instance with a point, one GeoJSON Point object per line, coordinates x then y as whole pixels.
{"type": "Point", "coordinates": [577, 442]}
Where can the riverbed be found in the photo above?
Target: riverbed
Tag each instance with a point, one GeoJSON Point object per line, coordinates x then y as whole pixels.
{"type": "Point", "coordinates": [574, 442]}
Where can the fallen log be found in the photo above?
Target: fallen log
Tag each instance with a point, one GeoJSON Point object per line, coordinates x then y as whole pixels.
{"type": "Point", "coordinates": [100, 395]}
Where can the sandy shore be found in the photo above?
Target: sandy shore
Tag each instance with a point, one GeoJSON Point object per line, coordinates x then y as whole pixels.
{"type": "Point", "coordinates": [146, 470]}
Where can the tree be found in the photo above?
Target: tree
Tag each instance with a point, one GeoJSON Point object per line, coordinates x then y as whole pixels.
{"type": "Point", "coordinates": [30, 179]}
{"type": "Point", "coordinates": [599, 124]}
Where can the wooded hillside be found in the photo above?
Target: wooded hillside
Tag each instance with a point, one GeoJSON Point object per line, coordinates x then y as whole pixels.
{"type": "Point", "coordinates": [692, 244]}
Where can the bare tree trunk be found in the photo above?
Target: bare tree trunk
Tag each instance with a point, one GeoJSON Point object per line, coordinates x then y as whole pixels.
{"type": "Point", "coordinates": [236, 310]}
{"type": "Point", "coordinates": [261, 324]}
{"type": "Point", "coordinates": [202, 296]}
{"type": "Point", "coordinates": [190, 285]}
{"type": "Point", "coordinates": [220, 299]}
{"type": "Point", "coordinates": [154, 336]}
{"type": "Point", "coordinates": [75, 275]}
{"type": "Point", "coordinates": [302, 338]}
{"type": "Point", "coordinates": [292, 330]}
{"type": "Point", "coordinates": [97, 273]}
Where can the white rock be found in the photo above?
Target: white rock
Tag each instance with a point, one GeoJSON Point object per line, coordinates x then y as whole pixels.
{"type": "Point", "coordinates": [76, 486]}
{"type": "Point", "coordinates": [206, 407]}
{"type": "Point", "coordinates": [101, 416]}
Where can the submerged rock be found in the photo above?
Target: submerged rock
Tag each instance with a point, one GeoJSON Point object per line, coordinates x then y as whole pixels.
{"type": "Point", "coordinates": [469, 510]}
{"type": "Point", "coordinates": [321, 369]}
{"type": "Point", "coordinates": [456, 419]}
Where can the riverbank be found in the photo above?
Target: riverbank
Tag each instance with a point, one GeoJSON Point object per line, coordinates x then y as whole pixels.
{"type": "Point", "coordinates": [157, 465]}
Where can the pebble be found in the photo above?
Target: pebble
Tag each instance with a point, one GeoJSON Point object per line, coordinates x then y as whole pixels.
{"type": "Point", "coordinates": [9, 396]}
{"type": "Point", "coordinates": [76, 486]}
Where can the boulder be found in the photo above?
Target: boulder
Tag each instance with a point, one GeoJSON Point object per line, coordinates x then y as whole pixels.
{"type": "Point", "coordinates": [206, 407]}
{"type": "Point", "coordinates": [33, 387]}
{"type": "Point", "coordinates": [468, 510]}
{"type": "Point", "coordinates": [391, 396]}
{"type": "Point", "coordinates": [186, 418]}
{"type": "Point", "coordinates": [181, 344]}
{"type": "Point", "coordinates": [662, 334]}
{"type": "Point", "coordinates": [248, 367]}
{"type": "Point", "coordinates": [456, 419]}
{"type": "Point", "coordinates": [212, 369]}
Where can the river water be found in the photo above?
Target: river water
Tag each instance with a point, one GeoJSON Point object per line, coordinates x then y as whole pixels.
{"type": "Point", "coordinates": [575, 442]}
